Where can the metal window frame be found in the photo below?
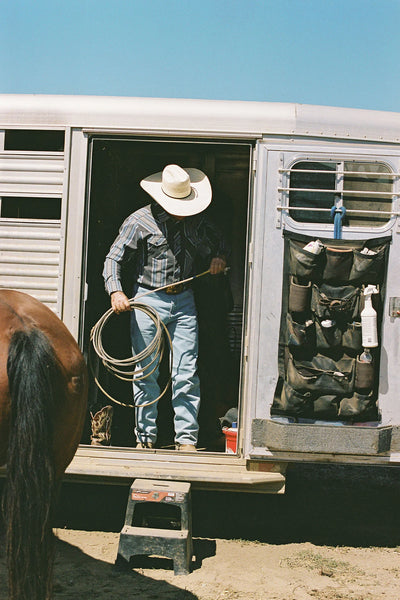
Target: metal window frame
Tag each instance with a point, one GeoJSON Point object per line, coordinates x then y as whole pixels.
{"type": "Point", "coordinates": [339, 192]}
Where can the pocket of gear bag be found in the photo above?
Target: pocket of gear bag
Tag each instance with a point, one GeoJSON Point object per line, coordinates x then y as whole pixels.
{"type": "Point", "coordinates": [352, 338]}
{"type": "Point", "coordinates": [368, 266]}
{"type": "Point", "coordinates": [292, 402]}
{"type": "Point", "coordinates": [299, 334]}
{"type": "Point", "coordinates": [364, 378]}
{"type": "Point", "coordinates": [326, 406]}
{"type": "Point", "coordinates": [321, 375]}
{"type": "Point", "coordinates": [327, 334]}
{"type": "Point", "coordinates": [304, 265]}
{"type": "Point", "coordinates": [339, 303]}
{"type": "Point", "coordinates": [338, 264]}
{"type": "Point", "coordinates": [356, 405]}
{"type": "Point", "coordinates": [299, 296]}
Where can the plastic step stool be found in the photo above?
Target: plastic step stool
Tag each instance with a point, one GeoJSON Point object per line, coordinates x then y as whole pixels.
{"type": "Point", "coordinates": [176, 544]}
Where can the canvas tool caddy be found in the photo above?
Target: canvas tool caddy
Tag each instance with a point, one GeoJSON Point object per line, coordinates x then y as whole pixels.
{"type": "Point", "coordinates": [320, 372]}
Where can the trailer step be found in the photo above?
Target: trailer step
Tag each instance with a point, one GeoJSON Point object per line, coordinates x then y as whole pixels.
{"type": "Point", "coordinates": [202, 471]}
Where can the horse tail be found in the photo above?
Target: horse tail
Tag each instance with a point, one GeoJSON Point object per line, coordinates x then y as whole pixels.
{"type": "Point", "coordinates": [34, 382]}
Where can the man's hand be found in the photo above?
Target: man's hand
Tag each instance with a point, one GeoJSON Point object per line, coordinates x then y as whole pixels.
{"type": "Point", "coordinates": [120, 302]}
{"type": "Point", "coordinates": [217, 265]}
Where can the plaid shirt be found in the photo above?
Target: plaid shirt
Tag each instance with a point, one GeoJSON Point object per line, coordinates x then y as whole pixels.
{"type": "Point", "coordinates": [163, 250]}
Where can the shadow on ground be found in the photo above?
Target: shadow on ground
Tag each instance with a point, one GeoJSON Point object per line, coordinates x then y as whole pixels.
{"type": "Point", "coordinates": [78, 575]}
{"type": "Point", "coordinates": [329, 505]}
{"type": "Point", "coordinates": [86, 577]}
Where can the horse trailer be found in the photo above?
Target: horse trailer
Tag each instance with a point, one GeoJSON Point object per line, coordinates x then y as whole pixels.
{"type": "Point", "coordinates": [303, 335]}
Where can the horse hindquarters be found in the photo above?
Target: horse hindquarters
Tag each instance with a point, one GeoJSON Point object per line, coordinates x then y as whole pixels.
{"type": "Point", "coordinates": [34, 383]}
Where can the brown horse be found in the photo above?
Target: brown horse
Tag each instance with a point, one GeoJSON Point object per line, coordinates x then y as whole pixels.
{"type": "Point", "coordinates": [43, 396]}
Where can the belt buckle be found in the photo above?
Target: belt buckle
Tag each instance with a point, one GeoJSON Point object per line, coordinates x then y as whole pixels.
{"type": "Point", "coordinates": [174, 289]}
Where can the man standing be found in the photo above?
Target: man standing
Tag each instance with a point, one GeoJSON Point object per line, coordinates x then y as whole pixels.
{"type": "Point", "coordinates": [168, 241]}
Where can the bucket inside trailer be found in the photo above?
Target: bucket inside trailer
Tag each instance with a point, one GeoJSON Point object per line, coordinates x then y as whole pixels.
{"type": "Point", "coordinates": [117, 165]}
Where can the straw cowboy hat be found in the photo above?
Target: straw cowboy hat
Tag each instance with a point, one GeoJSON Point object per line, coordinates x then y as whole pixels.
{"type": "Point", "coordinates": [181, 192]}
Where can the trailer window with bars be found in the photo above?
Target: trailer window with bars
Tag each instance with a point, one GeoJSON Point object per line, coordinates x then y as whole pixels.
{"type": "Point", "coordinates": [365, 189]}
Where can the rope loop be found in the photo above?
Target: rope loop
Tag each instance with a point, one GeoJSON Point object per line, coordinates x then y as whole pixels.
{"type": "Point", "coordinates": [131, 368]}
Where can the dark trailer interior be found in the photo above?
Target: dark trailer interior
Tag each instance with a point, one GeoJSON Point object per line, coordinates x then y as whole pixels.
{"type": "Point", "coordinates": [117, 165]}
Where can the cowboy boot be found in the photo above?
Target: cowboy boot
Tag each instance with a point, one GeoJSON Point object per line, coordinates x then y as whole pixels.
{"type": "Point", "coordinates": [101, 426]}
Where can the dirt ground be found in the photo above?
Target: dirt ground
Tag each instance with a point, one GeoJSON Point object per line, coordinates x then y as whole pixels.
{"type": "Point", "coordinates": [230, 569]}
{"type": "Point", "coordinates": [332, 536]}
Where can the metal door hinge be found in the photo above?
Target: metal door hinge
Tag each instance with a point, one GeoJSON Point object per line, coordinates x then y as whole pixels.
{"type": "Point", "coordinates": [246, 348]}
{"type": "Point", "coordinates": [254, 162]}
{"type": "Point", "coordinates": [250, 254]}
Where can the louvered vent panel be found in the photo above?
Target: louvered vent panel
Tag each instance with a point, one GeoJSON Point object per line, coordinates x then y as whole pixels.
{"type": "Point", "coordinates": [31, 175]}
{"type": "Point", "coordinates": [29, 259]}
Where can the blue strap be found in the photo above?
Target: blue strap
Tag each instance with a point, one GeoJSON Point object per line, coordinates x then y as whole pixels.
{"type": "Point", "coordinates": [338, 214]}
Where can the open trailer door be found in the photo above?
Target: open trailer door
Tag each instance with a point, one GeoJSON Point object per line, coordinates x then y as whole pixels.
{"type": "Point", "coordinates": [324, 237]}
{"type": "Point", "coordinates": [117, 165]}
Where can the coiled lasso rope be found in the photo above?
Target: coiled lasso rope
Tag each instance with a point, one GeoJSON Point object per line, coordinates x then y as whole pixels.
{"type": "Point", "coordinates": [128, 369]}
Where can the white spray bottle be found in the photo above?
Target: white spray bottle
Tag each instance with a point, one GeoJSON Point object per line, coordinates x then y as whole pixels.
{"type": "Point", "coordinates": [368, 319]}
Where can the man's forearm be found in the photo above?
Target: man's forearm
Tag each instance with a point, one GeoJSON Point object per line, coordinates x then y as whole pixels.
{"type": "Point", "coordinates": [111, 275]}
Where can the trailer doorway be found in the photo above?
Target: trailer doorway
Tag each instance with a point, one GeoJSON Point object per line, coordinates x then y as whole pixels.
{"type": "Point", "coordinates": [117, 166]}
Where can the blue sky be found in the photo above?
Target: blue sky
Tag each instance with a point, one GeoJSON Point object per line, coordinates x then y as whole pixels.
{"type": "Point", "coordinates": [331, 52]}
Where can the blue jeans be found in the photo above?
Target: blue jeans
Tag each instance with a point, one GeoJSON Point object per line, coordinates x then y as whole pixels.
{"type": "Point", "coordinates": [178, 313]}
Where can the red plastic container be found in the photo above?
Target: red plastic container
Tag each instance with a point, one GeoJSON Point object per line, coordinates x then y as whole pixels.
{"type": "Point", "coordinates": [230, 434]}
